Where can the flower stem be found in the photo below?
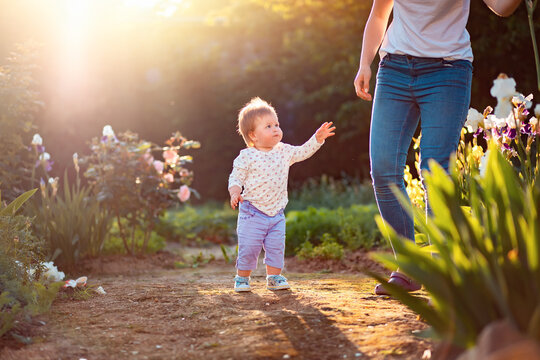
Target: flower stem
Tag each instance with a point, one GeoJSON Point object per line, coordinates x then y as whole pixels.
{"type": "Point", "coordinates": [530, 9]}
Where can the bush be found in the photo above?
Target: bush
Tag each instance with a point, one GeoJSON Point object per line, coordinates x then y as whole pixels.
{"type": "Point", "coordinates": [329, 249]}
{"type": "Point", "coordinates": [330, 193]}
{"type": "Point", "coordinates": [135, 187]}
{"type": "Point", "coordinates": [72, 222]}
{"type": "Point", "coordinates": [22, 289]}
{"type": "Point", "coordinates": [353, 227]}
{"type": "Point", "coordinates": [488, 263]}
{"type": "Point", "coordinates": [115, 245]}
{"type": "Point", "coordinates": [207, 223]}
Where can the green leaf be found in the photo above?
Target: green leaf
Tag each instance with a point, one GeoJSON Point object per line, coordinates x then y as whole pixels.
{"type": "Point", "coordinates": [12, 208]}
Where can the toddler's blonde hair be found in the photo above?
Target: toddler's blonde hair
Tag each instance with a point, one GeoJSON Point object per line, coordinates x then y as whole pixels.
{"type": "Point", "coordinates": [253, 110]}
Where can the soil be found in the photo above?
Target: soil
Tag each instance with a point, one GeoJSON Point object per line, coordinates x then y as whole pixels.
{"type": "Point", "coordinates": [154, 311]}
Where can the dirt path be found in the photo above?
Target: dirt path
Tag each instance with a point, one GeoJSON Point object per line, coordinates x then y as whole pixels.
{"type": "Point", "coordinates": [195, 314]}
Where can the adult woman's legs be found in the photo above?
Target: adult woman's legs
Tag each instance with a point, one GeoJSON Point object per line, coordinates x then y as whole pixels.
{"type": "Point", "coordinates": [444, 98]}
{"type": "Point", "coordinates": [394, 120]}
{"type": "Point", "coordinates": [409, 87]}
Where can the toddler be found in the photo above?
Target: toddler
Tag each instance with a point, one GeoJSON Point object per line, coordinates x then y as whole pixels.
{"type": "Point", "coordinates": [258, 182]}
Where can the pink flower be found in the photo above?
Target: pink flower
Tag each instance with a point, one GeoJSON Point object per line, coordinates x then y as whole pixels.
{"type": "Point", "coordinates": [184, 193]}
{"type": "Point", "coordinates": [158, 165]}
{"type": "Point", "coordinates": [148, 158]}
{"type": "Point", "coordinates": [170, 156]}
{"type": "Point", "coordinates": [169, 178]}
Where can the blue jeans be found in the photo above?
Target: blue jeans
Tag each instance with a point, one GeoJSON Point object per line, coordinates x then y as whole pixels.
{"type": "Point", "coordinates": [408, 89]}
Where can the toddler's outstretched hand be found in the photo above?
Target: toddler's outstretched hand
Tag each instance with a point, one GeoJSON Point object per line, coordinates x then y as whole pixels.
{"type": "Point", "coordinates": [235, 192]}
{"type": "Point", "coordinates": [326, 130]}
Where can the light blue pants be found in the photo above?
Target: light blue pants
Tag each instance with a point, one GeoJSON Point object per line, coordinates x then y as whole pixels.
{"type": "Point", "coordinates": [409, 89]}
{"type": "Point", "coordinates": [256, 231]}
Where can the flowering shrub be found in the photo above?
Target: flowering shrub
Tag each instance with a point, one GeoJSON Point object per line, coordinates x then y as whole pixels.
{"type": "Point", "coordinates": [509, 127]}
{"type": "Point", "coordinates": [134, 186]}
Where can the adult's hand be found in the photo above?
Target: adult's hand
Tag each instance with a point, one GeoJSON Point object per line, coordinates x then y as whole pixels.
{"type": "Point", "coordinates": [361, 83]}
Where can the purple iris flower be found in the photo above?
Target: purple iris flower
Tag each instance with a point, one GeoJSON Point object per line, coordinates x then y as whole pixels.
{"type": "Point", "coordinates": [46, 163]}
{"type": "Point", "coordinates": [106, 138]}
{"type": "Point", "coordinates": [526, 129]}
{"type": "Point", "coordinates": [511, 133]}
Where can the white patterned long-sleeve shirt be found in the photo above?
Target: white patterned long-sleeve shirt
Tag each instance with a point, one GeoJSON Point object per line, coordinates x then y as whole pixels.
{"type": "Point", "coordinates": [263, 174]}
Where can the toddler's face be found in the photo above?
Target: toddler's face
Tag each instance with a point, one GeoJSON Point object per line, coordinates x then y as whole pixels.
{"type": "Point", "coordinates": [267, 133]}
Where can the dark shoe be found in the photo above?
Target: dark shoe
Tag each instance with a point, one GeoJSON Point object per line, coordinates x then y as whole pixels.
{"type": "Point", "coordinates": [400, 280]}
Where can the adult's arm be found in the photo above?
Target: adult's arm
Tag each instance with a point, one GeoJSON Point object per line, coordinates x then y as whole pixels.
{"type": "Point", "coordinates": [502, 7]}
{"type": "Point", "coordinates": [373, 37]}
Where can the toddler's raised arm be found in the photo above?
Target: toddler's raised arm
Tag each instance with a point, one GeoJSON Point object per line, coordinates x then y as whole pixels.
{"type": "Point", "coordinates": [309, 148]}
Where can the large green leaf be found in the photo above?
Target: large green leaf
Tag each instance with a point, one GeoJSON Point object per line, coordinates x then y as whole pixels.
{"type": "Point", "coordinates": [12, 208]}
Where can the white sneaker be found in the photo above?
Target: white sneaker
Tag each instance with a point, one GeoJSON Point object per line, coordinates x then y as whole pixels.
{"type": "Point", "coordinates": [241, 284]}
{"type": "Point", "coordinates": [277, 282]}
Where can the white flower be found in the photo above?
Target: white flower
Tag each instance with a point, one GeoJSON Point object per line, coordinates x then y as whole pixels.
{"type": "Point", "coordinates": [533, 121]}
{"type": "Point", "coordinates": [511, 121]}
{"type": "Point", "coordinates": [108, 131]}
{"type": "Point", "coordinates": [503, 87]}
{"type": "Point", "coordinates": [496, 121]}
{"type": "Point", "coordinates": [101, 291]}
{"type": "Point", "coordinates": [483, 164]}
{"type": "Point", "coordinates": [44, 156]}
{"type": "Point", "coordinates": [537, 110]}
{"type": "Point", "coordinates": [504, 107]}
{"type": "Point", "coordinates": [473, 119]}
{"type": "Point", "coordinates": [51, 272]}
{"type": "Point", "coordinates": [488, 122]}
{"type": "Point", "coordinates": [521, 99]}
{"type": "Point", "coordinates": [37, 140]}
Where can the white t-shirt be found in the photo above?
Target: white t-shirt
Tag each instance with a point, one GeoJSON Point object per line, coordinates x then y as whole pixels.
{"type": "Point", "coordinates": [264, 174]}
{"type": "Point", "coordinates": [429, 28]}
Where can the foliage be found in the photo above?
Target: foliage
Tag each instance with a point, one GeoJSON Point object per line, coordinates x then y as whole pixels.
{"type": "Point", "coordinates": [19, 103]}
{"type": "Point", "coordinates": [207, 223]}
{"type": "Point", "coordinates": [115, 245]}
{"type": "Point", "coordinates": [328, 249]}
{"type": "Point", "coordinates": [194, 261]}
{"type": "Point", "coordinates": [135, 187]}
{"type": "Point", "coordinates": [300, 55]}
{"type": "Point", "coordinates": [353, 227]}
{"type": "Point", "coordinates": [23, 292]}
{"type": "Point", "coordinates": [228, 258]}
{"type": "Point", "coordinates": [488, 263]}
{"type": "Point", "coordinates": [330, 193]}
{"type": "Point", "coordinates": [73, 223]}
